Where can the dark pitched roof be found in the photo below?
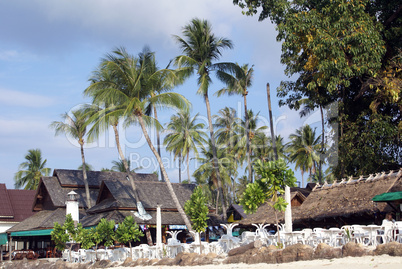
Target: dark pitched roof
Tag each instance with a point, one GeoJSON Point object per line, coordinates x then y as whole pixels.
{"type": "Point", "coordinates": [117, 194]}
{"type": "Point", "coordinates": [15, 205]}
{"type": "Point", "coordinates": [73, 178]}
{"type": "Point", "coordinates": [43, 220]}
{"type": "Point", "coordinates": [238, 209]}
{"type": "Point", "coordinates": [22, 200]}
{"type": "Point", "coordinates": [58, 194]}
{"type": "Point", "coordinates": [265, 214]}
{"type": "Point", "coordinates": [6, 209]}
{"type": "Point", "coordinates": [168, 218]}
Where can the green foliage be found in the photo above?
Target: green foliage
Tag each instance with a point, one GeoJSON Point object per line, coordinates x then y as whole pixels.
{"type": "Point", "coordinates": [273, 176]}
{"type": "Point", "coordinates": [85, 238]}
{"type": "Point", "coordinates": [128, 231]}
{"type": "Point", "coordinates": [59, 236]}
{"type": "Point", "coordinates": [197, 210]}
{"type": "Point", "coordinates": [105, 232]}
{"type": "Point", "coordinates": [347, 52]}
{"type": "Point", "coordinates": [31, 170]}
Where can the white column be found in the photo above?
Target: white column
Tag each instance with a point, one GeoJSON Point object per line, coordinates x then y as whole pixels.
{"type": "Point", "coordinates": [158, 226]}
{"type": "Point", "coordinates": [288, 211]}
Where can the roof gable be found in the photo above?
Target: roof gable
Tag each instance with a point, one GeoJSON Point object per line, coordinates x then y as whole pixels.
{"type": "Point", "coordinates": [6, 209]}
{"type": "Point", "coordinates": [74, 178]}
{"type": "Point", "coordinates": [151, 194]}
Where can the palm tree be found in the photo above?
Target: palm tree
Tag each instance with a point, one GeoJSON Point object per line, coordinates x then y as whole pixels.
{"type": "Point", "coordinates": [206, 173]}
{"type": "Point", "coordinates": [118, 166]}
{"type": "Point", "coordinates": [88, 167]}
{"type": "Point", "coordinates": [200, 48]}
{"type": "Point", "coordinates": [75, 126]}
{"type": "Point", "coordinates": [31, 170]}
{"type": "Point", "coordinates": [238, 82]}
{"type": "Point", "coordinates": [303, 148]}
{"type": "Point", "coordinates": [126, 91]}
{"type": "Point", "coordinates": [185, 135]}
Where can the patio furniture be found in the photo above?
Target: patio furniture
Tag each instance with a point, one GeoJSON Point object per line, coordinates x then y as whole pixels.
{"type": "Point", "coordinates": [371, 232]}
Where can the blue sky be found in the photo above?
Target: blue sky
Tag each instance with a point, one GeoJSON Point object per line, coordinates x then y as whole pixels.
{"type": "Point", "coordinates": [48, 50]}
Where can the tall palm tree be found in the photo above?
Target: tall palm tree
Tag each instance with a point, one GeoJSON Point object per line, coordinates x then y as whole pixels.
{"type": "Point", "coordinates": [88, 167]}
{"type": "Point", "coordinates": [303, 148]}
{"type": "Point", "coordinates": [156, 81]}
{"type": "Point", "coordinates": [185, 136]}
{"type": "Point", "coordinates": [206, 173]}
{"type": "Point", "coordinates": [200, 48]}
{"type": "Point", "coordinates": [30, 171]}
{"type": "Point", "coordinates": [131, 98]}
{"type": "Point", "coordinates": [227, 125]}
{"type": "Point", "coordinates": [238, 82]}
{"type": "Point", "coordinates": [75, 126]}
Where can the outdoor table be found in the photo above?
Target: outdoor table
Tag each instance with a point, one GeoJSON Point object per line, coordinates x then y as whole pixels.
{"type": "Point", "coordinates": [227, 242]}
{"type": "Point", "coordinates": [101, 254]}
{"type": "Point", "coordinates": [372, 231]}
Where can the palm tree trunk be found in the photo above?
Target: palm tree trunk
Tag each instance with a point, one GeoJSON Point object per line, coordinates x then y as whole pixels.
{"type": "Point", "coordinates": [250, 175]}
{"type": "Point", "coordinates": [271, 124]}
{"type": "Point", "coordinates": [188, 167]}
{"type": "Point", "coordinates": [168, 183]}
{"type": "Point", "coordinates": [215, 156]}
{"type": "Point", "coordinates": [322, 145]}
{"type": "Point", "coordinates": [116, 136]}
{"type": "Point", "coordinates": [180, 167]}
{"type": "Point", "coordinates": [158, 142]}
{"type": "Point", "coordinates": [84, 176]}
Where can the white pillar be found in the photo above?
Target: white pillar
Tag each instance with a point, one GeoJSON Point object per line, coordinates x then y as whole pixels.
{"type": "Point", "coordinates": [288, 211]}
{"type": "Point", "coordinates": [158, 226]}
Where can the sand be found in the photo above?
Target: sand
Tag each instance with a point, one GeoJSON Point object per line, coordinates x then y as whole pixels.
{"type": "Point", "coordinates": [378, 262]}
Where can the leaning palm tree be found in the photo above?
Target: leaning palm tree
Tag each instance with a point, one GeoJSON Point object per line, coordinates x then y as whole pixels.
{"type": "Point", "coordinates": [200, 48]}
{"type": "Point", "coordinates": [303, 149]}
{"type": "Point", "coordinates": [30, 171]}
{"type": "Point", "coordinates": [185, 135]}
{"type": "Point", "coordinates": [130, 99]}
{"type": "Point", "coordinates": [75, 126]}
{"type": "Point", "coordinates": [238, 81]}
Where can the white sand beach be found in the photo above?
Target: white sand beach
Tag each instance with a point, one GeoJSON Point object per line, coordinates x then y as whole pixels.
{"type": "Point", "coordinates": [378, 262]}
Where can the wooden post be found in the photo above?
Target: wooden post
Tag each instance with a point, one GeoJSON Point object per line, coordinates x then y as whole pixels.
{"type": "Point", "coordinates": [10, 248]}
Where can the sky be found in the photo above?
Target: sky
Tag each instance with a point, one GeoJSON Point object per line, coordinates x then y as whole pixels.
{"type": "Point", "coordinates": [48, 50]}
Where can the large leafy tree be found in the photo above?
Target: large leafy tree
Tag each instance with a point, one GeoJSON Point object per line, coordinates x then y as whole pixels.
{"type": "Point", "coordinates": [344, 51]}
{"type": "Point", "coordinates": [30, 171]}
{"type": "Point", "coordinates": [185, 135]}
{"type": "Point", "coordinates": [200, 49]}
{"type": "Point", "coordinates": [126, 92]}
{"type": "Point", "coordinates": [75, 126]}
{"type": "Point", "coordinates": [238, 82]}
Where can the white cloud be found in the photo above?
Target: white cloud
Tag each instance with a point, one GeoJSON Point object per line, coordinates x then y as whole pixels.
{"type": "Point", "coordinates": [22, 99]}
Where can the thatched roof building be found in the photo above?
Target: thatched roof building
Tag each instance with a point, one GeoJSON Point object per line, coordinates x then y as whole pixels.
{"type": "Point", "coordinates": [265, 214]}
{"type": "Point", "coordinates": [346, 202]}
{"type": "Point", "coordinates": [116, 200]}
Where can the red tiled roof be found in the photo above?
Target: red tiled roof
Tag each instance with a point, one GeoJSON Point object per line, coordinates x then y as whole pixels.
{"type": "Point", "coordinates": [6, 210]}
{"type": "Point", "coordinates": [15, 205]}
{"type": "Point", "coordinates": [22, 200]}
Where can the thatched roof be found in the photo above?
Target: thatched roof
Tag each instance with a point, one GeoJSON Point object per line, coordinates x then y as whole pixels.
{"type": "Point", "coordinates": [265, 214]}
{"type": "Point", "coordinates": [345, 199]}
{"type": "Point", "coordinates": [348, 198]}
{"type": "Point", "coordinates": [43, 220]}
{"type": "Point", "coordinates": [117, 194]}
{"type": "Point", "coordinates": [73, 178]}
{"type": "Point", "coordinates": [58, 194]}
